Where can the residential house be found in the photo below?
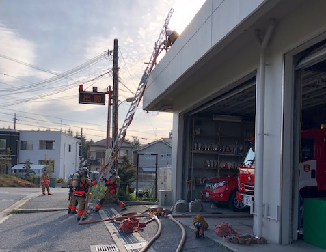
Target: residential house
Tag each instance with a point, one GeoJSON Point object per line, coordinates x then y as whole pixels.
{"type": "Point", "coordinates": [149, 159]}
{"type": "Point", "coordinates": [8, 149]}
{"type": "Point", "coordinates": [53, 148]}
{"type": "Point", "coordinates": [96, 154]}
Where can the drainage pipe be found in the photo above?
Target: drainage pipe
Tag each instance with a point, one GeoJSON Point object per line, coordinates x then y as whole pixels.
{"type": "Point", "coordinates": [259, 145]}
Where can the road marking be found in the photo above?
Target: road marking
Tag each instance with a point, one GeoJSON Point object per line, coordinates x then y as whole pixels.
{"type": "Point", "coordinates": [3, 219]}
{"type": "Point", "coordinates": [16, 205]}
{"type": "Point", "coordinates": [7, 200]}
{"type": "Point", "coordinates": [134, 242]}
{"type": "Point", "coordinates": [113, 232]}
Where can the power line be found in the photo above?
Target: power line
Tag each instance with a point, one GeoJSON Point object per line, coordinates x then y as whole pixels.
{"type": "Point", "coordinates": [59, 90]}
{"type": "Point", "coordinates": [60, 118]}
{"type": "Point", "coordinates": [126, 86]}
{"type": "Point", "coordinates": [66, 74]}
{"type": "Point", "coordinates": [126, 65]}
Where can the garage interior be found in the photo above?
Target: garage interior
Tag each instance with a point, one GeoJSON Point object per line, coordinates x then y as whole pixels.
{"type": "Point", "coordinates": [240, 102]}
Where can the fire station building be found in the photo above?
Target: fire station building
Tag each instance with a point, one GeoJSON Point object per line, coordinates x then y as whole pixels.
{"type": "Point", "coordinates": [243, 69]}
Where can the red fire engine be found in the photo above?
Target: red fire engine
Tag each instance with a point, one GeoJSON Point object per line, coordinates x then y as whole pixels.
{"type": "Point", "coordinates": [312, 167]}
{"type": "Point", "coordinates": [238, 191]}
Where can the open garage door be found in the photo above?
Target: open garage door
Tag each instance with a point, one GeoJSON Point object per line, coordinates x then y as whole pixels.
{"type": "Point", "coordinates": [310, 77]}
{"type": "Point", "coordinates": [215, 143]}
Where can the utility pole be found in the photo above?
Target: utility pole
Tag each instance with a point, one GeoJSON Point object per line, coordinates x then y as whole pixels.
{"type": "Point", "coordinates": [108, 145]}
{"type": "Point", "coordinates": [15, 119]}
{"type": "Point", "coordinates": [115, 97]}
{"type": "Point", "coordinates": [81, 145]}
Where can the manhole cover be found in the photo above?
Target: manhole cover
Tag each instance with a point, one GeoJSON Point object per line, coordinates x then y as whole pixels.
{"type": "Point", "coordinates": [105, 248]}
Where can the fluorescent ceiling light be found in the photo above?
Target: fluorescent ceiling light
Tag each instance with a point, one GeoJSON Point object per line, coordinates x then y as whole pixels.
{"type": "Point", "coordinates": [227, 118]}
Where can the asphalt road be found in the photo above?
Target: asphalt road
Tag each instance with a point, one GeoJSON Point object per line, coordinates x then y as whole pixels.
{"type": "Point", "coordinates": [10, 196]}
{"type": "Point", "coordinates": [52, 231]}
{"type": "Point", "coordinates": [35, 230]}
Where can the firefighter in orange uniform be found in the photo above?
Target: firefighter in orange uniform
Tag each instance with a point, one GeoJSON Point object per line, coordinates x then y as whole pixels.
{"type": "Point", "coordinates": [45, 180]}
{"type": "Point", "coordinates": [111, 191]}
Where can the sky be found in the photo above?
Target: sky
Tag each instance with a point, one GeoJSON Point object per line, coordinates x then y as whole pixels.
{"type": "Point", "coordinates": [48, 48]}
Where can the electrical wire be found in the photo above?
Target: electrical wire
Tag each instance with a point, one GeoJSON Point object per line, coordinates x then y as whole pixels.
{"type": "Point", "coordinates": [58, 90]}
{"type": "Point", "coordinates": [58, 77]}
{"type": "Point", "coordinates": [126, 65]}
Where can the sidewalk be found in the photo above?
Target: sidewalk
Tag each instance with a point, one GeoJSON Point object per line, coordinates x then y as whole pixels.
{"type": "Point", "coordinates": [243, 226]}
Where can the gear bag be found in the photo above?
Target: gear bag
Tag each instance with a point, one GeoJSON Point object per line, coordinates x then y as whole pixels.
{"type": "Point", "coordinates": [75, 179]}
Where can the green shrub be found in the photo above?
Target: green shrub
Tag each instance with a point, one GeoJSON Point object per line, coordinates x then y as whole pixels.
{"type": "Point", "coordinates": [95, 192]}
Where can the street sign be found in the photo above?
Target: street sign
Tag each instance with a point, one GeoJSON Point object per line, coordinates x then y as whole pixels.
{"type": "Point", "coordinates": [91, 98]}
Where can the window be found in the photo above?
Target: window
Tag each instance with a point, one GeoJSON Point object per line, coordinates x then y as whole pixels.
{"type": "Point", "coordinates": [69, 148]}
{"type": "Point", "coordinates": [163, 156]}
{"type": "Point", "coordinates": [169, 155]}
{"type": "Point", "coordinates": [123, 153]}
{"type": "Point", "coordinates": [307, 149]}
{"type": "Point", "coordinates": [100, 154]}
{"type": "Point", "coordinates": [46, 145]}
{"type": "Point", "coordinates": [26, 145]}
{"type": "Point", "coordinates": [2, 144]}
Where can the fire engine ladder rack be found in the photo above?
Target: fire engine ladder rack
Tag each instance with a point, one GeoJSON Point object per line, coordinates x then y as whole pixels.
{"type": "Point", "coordinates": [160, 45]}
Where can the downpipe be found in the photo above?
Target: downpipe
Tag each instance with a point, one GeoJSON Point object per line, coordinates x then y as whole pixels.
{"type": "Point", "coordinates": [260, 116]}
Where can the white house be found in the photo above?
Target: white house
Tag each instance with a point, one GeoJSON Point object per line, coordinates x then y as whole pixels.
{"type": "Point", "coordinates": [256, 61]}
{"type": "Point", "coordinates": [53, 148]}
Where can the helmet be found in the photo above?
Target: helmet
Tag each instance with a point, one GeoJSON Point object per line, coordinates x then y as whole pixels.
{"type": "Point", "coordinates": [112, 172]}
{"type": "Point", "coordinates": [85, 170]}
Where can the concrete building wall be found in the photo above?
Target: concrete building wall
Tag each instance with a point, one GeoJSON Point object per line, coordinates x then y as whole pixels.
{"type": "Point", "coordinates": [212, 23]}
{"type": "Point", "coordinates": [302, 24]}
{"type": "Point", "coordinates": [163, 151]}
{"type": "Point", "coordinates": [65, 162]}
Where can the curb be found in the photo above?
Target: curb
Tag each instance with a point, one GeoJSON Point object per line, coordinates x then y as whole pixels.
{"type": "Point", "coordinates": [16, 205]}
{"type": "Point", "coordinates": [136, 203]}
{"type": "Point", "coordinates": [22, 211]}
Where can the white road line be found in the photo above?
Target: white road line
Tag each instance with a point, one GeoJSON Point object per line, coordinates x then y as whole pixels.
{"type": "Point", "coordinates": [121, 244]}
{"type": "Point", "coordinates": [113, 232]}
{"type": "Point", "coordinates": [4, 213]}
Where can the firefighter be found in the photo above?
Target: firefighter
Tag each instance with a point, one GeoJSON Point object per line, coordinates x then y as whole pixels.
{"type": "Point", "coordinates": [45, 180]}
{"type": "Point", "coordinates": [81, 191]}
{"type": "Point", "coordinates": [111, 191]}
{"type": "Point", "coordinates": [72, 198]}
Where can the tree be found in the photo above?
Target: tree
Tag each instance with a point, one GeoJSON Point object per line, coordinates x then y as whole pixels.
{"type": "Point", "coordinates": [27, 168]}
{"type": "Point", "coordinates": [5, 160]}
{"type": "Point", "coordinates": [84, 146]}
{"type": "Point", "coordinates": [127, 174]}
{"type": "Point", "coordinates": [69, 132]}
{"type": "Point", "coordinates": [135, 142]}
{"type": "Point", "coordinates": [126, 171]}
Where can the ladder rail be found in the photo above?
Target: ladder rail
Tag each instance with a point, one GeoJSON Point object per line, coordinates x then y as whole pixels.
{"type": "Point", "coordinates": [158, 47]}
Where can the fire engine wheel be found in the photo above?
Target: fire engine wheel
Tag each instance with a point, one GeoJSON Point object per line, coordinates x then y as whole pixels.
{"type": "Point", "coordinates": [235, 205]}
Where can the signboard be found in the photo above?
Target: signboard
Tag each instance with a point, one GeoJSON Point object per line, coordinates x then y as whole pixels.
{"type": "Point", "coordinates": [91, 98]}
{"type": "Point", "coordinates": [306, 168]}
